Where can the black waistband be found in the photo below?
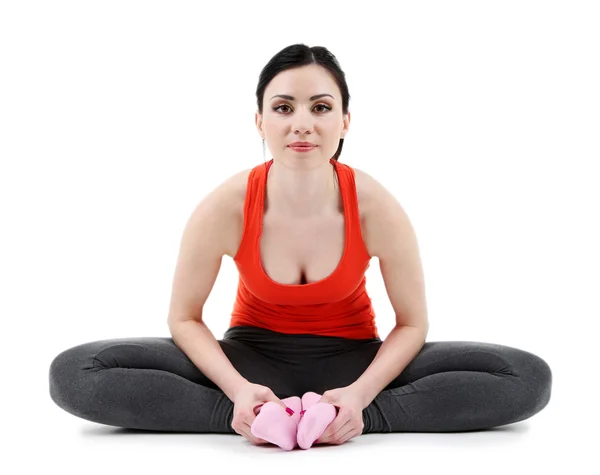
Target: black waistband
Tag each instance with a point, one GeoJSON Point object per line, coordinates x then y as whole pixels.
{"type": "Point", "coordinates": [272, 341]}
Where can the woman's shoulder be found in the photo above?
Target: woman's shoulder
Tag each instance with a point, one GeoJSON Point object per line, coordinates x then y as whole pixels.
{"type": "Point", "coordinates": [366, 190]}
{"type": "Point", "coordinates": [237, 184]}
{"type": "Point", "coordinates": [234, 191]}
{"type": "Point", "coordinates": [226, 200]}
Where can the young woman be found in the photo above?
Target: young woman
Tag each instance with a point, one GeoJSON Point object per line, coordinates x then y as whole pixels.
{"type": "Point", "coordinates": [301, 229]}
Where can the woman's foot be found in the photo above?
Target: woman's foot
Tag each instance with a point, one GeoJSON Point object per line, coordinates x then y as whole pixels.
{"type": "Point", "coordinates": [316, 417]}
{"type": "Point", "coordinates": [277, 426]}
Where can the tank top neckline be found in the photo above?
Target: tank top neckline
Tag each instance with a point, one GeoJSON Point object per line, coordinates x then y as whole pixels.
{"type": "Point", "coordinates": [261, 203]}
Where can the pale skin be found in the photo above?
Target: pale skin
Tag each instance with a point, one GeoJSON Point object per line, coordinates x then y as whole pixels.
{"type": "Point", "coordinates": [303, 233]}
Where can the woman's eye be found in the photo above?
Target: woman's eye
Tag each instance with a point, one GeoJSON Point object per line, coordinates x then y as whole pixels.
{"type": "Point", "coordinates": [324, 106]}
{"type": "Point", "coordinates": [318, 105]}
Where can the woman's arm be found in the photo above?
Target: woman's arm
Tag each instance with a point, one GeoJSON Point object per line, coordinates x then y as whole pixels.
{"type": "Point", "coordinates": [391, 237]}
{"type": "Point", "coordinates": [205, 241]}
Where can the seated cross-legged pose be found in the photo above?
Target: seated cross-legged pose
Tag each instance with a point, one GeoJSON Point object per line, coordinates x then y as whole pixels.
{"type": "Point", "coordinates": [302, 362]}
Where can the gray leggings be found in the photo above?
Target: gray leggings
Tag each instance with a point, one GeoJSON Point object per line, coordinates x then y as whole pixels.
{"type": "Point", "coordinates": [150, 384]}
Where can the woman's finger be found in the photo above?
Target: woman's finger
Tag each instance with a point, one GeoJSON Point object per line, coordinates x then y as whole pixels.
{"type": "Point", "coordinates": [330, 435]}
{"type": "Point", "coordinates": [248, 434]}
{"type": "Point", "coordinates": [344, 436]}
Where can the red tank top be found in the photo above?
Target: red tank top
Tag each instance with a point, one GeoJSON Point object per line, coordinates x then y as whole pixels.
{"type": "Point", "coordinates": [335, 306]}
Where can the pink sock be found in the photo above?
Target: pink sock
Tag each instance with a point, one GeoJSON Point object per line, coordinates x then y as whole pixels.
{"type": "Point", "coordinates": [316, 416]}
{"type": "Point", "coordinates": [275, 425]}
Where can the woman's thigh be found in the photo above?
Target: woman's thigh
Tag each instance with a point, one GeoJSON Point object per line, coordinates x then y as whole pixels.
{"type": "Point", "coordinates": [434, 357]}
{"type": "Point", "coordinates": [162, 353]}
{"type": "Point", "coordinates": [493, 358]}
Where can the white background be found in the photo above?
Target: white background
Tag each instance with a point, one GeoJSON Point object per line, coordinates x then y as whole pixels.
{"type": "Point", "coordinates": [117, 118]}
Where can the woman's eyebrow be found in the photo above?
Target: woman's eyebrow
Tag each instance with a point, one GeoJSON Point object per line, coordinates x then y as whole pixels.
{"type": "Point", "coordinates": [292, 98]}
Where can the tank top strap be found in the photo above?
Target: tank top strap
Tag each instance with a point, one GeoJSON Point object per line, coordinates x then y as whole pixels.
{"type": "Point", "coordinates": [346, 175]}
{"type": "Point", "coordinates": [253, 209]}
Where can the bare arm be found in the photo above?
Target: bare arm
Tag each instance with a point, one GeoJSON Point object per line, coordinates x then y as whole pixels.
{"type": "Point", "coordinates": [202, 248]}
{"type": "Point", "coordinates": [197, 341]}
{"type": "Point", "coordinates": [392, 239]}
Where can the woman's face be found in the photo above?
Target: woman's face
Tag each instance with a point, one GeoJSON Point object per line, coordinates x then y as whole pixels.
{"type": "Point", "coordinates": [317, 120]}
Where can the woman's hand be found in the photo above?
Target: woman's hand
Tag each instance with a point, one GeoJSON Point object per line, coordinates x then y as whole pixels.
{"type": "Point", "coordinates": [349, 421]}
{"type": "Point", "coordinates": [246, 405]}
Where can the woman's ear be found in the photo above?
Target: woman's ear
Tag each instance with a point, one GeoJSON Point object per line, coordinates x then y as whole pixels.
{"type": "Point", "coordinates": [258, 121]}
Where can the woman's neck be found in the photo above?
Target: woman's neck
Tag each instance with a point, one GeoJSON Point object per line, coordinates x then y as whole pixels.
{"type": "Point", "coordinates": [302, 192]}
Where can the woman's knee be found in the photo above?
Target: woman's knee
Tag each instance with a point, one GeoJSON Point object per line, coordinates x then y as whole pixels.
{"type": "Point", "coordinates": [531, 373]}
{"type": "Point", "coordinates": [535, 377]}
{"type": "Point", "coordinates": [70, 383]}
{"type": "Point", "coordinates": [75, 373]}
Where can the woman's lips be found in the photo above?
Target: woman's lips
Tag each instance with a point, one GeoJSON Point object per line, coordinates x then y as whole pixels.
{"type": "Point", "coordinates": [302, 149]}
